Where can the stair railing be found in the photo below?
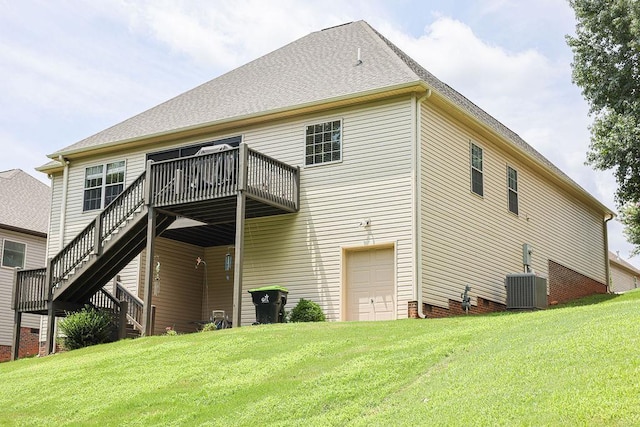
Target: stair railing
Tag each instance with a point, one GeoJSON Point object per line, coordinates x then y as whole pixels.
{"type": "Point", "coordinates": [31, 291]}
{"type": "Point", "coordinates": [92, 238]}
{"type": "Point", "coordinates": [122, 207]}
{"type": "Point", "coordinates": [134, 305]}
{"type": "Point", "coordinates": [103, 299]}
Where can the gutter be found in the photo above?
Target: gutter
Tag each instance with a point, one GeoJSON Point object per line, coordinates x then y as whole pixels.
{"type": "Point", "coordinates": [258, 117]}
{"type": "Point", "coordinates": [417, 200]}
{"type": "Point", "coordinates": [560, 178]}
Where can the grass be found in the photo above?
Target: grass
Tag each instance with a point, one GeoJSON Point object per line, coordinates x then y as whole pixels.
{"type": "Point", "coordinates": [575, 365]}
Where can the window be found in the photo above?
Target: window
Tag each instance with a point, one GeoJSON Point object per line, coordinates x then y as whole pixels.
{"type": "Point", "coordinates": [176, 153]}
{"type": "Point", "coordinates": [512, 186]}
{"type": "Point", "coordinates": [102, 184]}
{"type": "Point", "coordinates": [476, 170]}
{"type": "Point", "coordinates": [323, 143]}
{"type": "Point", "coordinates": [13, 254]}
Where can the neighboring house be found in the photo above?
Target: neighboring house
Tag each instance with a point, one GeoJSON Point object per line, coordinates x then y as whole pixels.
{"type": "Point", "coordinates": [24, 219]}
{"type": "Point", "coordinates": [350, 175]}
{"type": "Point", "coordinates": [624, 276]}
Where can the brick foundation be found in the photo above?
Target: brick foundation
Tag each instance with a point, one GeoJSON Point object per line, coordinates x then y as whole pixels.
{"type": "Point", "coordinates": [566, 284]}
{"type": "Point", "coordinates": [42, 349]}
{"type": "Point", "coordinates": [28, 345]}
{"type": "Point", "coordinates": [455, 308]}
{"type": "Point", "coordinates": [413, 310]}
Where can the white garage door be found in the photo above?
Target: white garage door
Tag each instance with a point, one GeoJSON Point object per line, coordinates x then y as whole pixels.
{"type": "Point", "coordinates": [370, 284]}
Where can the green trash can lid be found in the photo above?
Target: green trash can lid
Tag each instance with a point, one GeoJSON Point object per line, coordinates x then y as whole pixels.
{"type": "Point", "coordinates": [270, 288]}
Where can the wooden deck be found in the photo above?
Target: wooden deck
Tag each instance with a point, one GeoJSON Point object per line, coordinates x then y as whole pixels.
{"type": "Point", "coordinates": [206, 188]}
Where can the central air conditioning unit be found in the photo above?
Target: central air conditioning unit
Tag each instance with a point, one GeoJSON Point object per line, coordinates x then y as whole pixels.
{"type": "Point", "coordinates": [526, 291]}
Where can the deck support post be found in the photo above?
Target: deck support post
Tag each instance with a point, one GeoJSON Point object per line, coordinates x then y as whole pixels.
{"type": "Point", "coordinates": [122, 320]}
{"type": "Point", "coordinates": [147, 326]}
{"type": "Point", "coordinates": [237, 268]}
{"type": "Point", "coordinates": [241, 201]}
{"type": "Point", "coordinates": [15, 349]}
{"type": "Point", "coordinates": [51, 323]}
{"type": "Point", "coordinates": [15, 304]}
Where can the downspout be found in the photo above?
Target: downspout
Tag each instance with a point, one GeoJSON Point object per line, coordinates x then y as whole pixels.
{"type": "Point", "coordinates": [417, 199]}
{"type": "Point", "coordinates": [605, 232]}
{"type": "Point", "coordinates": [63, 207]}
{"type": "Point", "coordinates": [63, 220]}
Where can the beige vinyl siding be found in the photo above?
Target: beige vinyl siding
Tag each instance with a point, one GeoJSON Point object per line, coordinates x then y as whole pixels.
{"type": "Point", "coordinates": [76, 219]}
{"type": "Point", "coordinates": [179, 298]}
{"type": "Point", "coordinates": [219, 281]}
{"type": "Point", "coordinates": [130, 274]}
{"type": "Point", "coordinates": [53, 241]}
{"type": "Point", "coordinates": [34, 258]}
{"type": "Point", "coordinates": [476, 241]}
{"type": "Point", "coordinates": [303, 251]}
{"type": "Point", "coordinates": [622, 279]}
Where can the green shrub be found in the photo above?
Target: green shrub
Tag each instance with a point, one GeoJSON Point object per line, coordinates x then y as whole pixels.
{"type": "Point", "coordinates": [306, 311]}
{"type": "Point", "coordinates": [209, 327]}
{"type": "Point", "coordinates": [86, 327]}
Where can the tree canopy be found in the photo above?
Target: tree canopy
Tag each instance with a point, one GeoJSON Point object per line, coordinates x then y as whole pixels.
{"type": "Point", "coordinates": [606, 66]}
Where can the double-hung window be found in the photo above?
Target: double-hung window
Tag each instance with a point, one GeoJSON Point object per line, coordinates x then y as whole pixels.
{"type": "Point", "coordinates": [13, 254]}
{"type": "Point", "coordinates": [512, 189]}
{"type": "Point", "coordinates": [476, 170]}
{"type": "Point", "coordinates": [102, 184]}
{"type": "Point", "coordinates": [323, 143]}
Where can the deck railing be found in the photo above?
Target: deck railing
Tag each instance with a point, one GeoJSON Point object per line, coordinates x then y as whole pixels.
{"type": "Point", "coordinates": [195, 178]}
{"type": "Point", "coordinates": [31, 292]}
{"type": "Point", "coordinates": [216, 175]}
{"type": "Point", "coordinates": [171, 182]}
{"type": "Point", "coordinates": [272, 180]}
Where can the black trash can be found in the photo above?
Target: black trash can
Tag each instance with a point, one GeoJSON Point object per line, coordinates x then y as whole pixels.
{"type": "Point", "coordinates": [269, 302]}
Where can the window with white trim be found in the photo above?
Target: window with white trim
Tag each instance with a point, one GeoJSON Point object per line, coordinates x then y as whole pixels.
{"type": "Point", "coordinates": [102, 184]}
{"type": "Point", "coordinates": [512, 188]}
{"type": "Point", "coordinates": [323, 143]}
{"type": "Point", "coordinates": [13, 254]}
{"type": "Point", "coordinates": [477, 185]}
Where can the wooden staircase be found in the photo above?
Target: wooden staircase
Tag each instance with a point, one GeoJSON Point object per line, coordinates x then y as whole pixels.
{"type": "Point", "coordinates": [202, 187]}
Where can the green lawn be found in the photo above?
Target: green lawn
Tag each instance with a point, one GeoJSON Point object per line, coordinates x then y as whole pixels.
{"type": "Point", "coordinates": [577, 365]}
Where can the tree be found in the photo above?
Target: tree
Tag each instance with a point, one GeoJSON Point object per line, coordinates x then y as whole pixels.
{"type": "Point", "coordinates": [606, 66]}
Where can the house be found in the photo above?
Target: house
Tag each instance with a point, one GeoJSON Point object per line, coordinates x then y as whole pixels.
{"type": "Point", "coordinates": [624, 276]}
{"type": "Point", "coordinates": [335, 166]}
{"type": "Point", "coordinates": [24, 219]}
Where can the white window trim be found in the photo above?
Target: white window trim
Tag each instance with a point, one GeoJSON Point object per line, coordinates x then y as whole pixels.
{"type": "Point", "coordinates": [516, 191]}
{"type": "Point", "coordinates": [304, 140]}
{"type": "Point", "coordinates": [472, 168]}
{"type": "Point", "coordinates": [24, 261]}
{"type": "Point", "coordinates": [104, 183]}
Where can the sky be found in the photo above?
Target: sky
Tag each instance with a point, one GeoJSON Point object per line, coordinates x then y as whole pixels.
{"type": "Point", "coordinates": [69, 69]}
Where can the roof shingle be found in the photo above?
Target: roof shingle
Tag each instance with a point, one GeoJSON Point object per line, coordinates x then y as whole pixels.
{"type": "Point", "coordinates": [24, 202]}
{"type": "Point", "coordinates": [318, 67]}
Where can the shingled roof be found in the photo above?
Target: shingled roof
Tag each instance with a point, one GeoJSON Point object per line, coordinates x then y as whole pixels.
{"type": "Point", "coordinates": [24, 202]}
{"type": "Point", "coordinates": [615, 258]}
{"type": "Point", "coordinates": [320, 67]}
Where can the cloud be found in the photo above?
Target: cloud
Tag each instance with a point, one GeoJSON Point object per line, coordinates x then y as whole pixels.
{"type": "Point", "coordinates": [77, 68]}
{"type": "Point", "coordinates": [227, 34]}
